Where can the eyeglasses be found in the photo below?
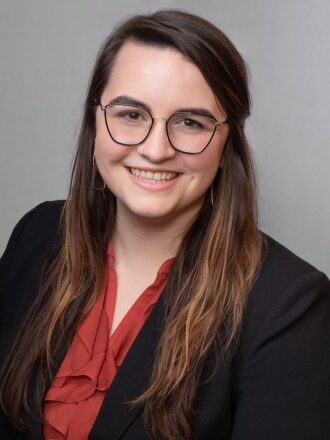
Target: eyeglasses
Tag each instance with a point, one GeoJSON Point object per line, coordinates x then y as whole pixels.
{"type": "Point", "coordinates": [130, 125]}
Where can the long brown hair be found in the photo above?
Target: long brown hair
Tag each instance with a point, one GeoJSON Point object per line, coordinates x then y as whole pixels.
{"type": "Point", "coordinates": [216, 263]}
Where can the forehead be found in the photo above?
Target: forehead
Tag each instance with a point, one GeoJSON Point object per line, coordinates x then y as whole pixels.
{"type": "Point", "coordinates": [161, 77]}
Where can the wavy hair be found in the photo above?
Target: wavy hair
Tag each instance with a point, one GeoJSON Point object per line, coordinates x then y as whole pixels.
{"type": "Point", "coordinates": [217, 261]}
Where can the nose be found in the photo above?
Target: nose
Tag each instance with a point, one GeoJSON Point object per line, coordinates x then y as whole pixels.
{"type": "Point", "coordinates": [157, 147]}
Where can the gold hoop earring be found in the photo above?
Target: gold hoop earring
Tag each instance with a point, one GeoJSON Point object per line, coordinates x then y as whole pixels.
{"type": "Point", "coordinates": [95, 171]}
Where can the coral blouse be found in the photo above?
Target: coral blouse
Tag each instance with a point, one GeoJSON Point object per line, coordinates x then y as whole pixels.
{"type": "Point", "coordinates": [75, 396]}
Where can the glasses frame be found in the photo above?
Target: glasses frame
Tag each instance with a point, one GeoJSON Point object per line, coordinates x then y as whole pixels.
{"type": "Point", "coordinates": [153, 118]}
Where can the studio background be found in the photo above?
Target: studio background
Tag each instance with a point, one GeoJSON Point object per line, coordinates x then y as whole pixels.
{"type": "Point", "coordinates": [47, 53]}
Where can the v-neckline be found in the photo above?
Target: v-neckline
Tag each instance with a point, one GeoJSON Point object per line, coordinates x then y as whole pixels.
{"type": "Point", "coordinates": [111, 292]}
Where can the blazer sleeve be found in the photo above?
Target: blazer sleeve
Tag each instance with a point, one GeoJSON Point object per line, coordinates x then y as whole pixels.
{"type": "Point", "coordinates": [6, 261]}
{"type": "Point", "coordinates": [283, 384]}
{"type": "Point", "coordinates": [6, 432]}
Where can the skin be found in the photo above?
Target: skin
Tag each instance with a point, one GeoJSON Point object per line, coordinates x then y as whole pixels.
{"type": "Point", "coordinates": [147, 219]}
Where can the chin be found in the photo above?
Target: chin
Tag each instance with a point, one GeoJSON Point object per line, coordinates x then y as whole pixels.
{"type": "Point", "coordinates": [151, 209]}
{"type": "Point", "coordinates": [153, 214]}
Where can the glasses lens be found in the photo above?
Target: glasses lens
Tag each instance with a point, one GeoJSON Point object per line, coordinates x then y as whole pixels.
{"type": "Point", "coordinates": [190, 133]}
{"type": "Point", "coordinates": [128, 125]}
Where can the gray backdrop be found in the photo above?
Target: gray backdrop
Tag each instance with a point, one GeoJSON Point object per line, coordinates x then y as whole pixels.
{"type": "Point", "coordinates": [48, 49]}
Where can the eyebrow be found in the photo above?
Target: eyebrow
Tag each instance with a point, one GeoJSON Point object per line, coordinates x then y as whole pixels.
{"type": "Point", "coordinates": [128, 100]}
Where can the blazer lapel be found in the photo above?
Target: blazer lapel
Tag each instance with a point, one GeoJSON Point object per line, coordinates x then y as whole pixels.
{"type": "Point", "coordinates": [131, 380]}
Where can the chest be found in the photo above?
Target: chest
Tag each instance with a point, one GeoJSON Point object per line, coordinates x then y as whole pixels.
{"type": "Point", "coordinates": [125, 296]}
{"type": "Point", "coordinates": [130, 291]}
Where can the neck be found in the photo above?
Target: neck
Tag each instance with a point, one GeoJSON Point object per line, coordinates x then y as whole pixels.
{"type": "Point", "coordinates": [147, 242]}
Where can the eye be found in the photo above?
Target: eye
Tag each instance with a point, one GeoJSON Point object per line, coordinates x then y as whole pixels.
{"type": "Point", "coordinates": [188, 123]}
{"type": "Point", "coordinates": [128, 115]}
{"type": "Point", "coordinates": [191, 123]}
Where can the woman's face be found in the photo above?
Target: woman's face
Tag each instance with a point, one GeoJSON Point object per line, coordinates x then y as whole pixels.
{"type": "Point", "coordinates": [163, 80]}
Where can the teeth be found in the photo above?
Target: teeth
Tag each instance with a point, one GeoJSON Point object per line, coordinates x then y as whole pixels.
{"type": "Point", "coordinates": [149, 175]}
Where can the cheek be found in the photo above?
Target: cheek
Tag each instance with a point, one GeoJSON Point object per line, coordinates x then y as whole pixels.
{"type": "Point", "coordinates": [106, 150]}
{"type": "Point", "coordinates": [205, 166]}
{"type": "Point", "coordinates": [109, 153]}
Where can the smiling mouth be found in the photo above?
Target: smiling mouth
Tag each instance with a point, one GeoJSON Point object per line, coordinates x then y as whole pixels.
{"type": "Point", "coordinates": [150, 176]}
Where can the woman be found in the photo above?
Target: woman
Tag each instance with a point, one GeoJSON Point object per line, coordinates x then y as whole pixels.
{"type": "Point", "coordinates": [148, 304]}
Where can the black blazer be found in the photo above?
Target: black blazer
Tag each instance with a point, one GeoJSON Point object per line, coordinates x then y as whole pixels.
{"type": "Point", "coordinates": [275, 385]}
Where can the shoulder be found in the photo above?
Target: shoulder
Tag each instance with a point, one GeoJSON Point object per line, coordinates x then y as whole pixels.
{"type": "Point", "coordinates": [283, 275]}
{"type": "Point", "coordinates": [279, 259]}
{"type": "Point", "coordinates": [288, 293]}
{"type": "Point", "coordinates": [32, 239]}
{"type": "Point", "coordinates": [41, 219]}
{"type": "Point", "coordinates": [281, 270]}
{"type": "Point", "coordinates": [29, 245]}
{"type": "Point", "coordinates": [38, 226]}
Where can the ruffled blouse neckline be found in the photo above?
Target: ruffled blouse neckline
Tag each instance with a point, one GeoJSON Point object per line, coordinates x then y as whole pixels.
{"type": "Point", "coordinates": [78, 389]}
